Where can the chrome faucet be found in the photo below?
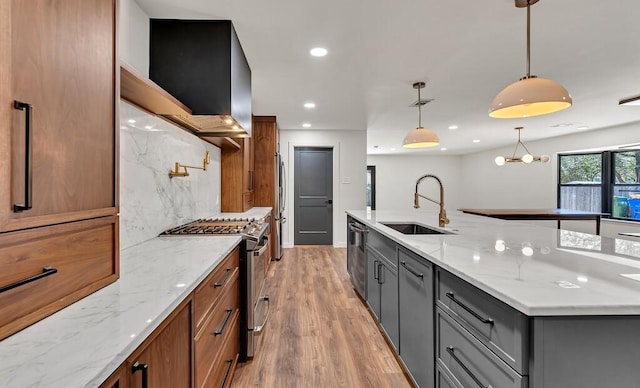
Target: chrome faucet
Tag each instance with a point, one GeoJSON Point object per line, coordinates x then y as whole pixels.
{"type": "Point", "coordinates": [442, 216]}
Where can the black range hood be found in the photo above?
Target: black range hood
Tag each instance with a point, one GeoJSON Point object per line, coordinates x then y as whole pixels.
{"type": "Point", "coordinates": [202, 64]}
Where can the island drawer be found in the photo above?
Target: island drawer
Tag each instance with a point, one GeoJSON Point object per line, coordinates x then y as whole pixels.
{"type": "Point", "coordinates": [498, 326]}
{"type": "Point", "coordinates": [444, 379]}
{"type": "Point", "coordinates": [45, 269]}
{"type": "Point", "coordinates": [217, 328]}
{"type": "Point", "coordinates": [468, 361]}
{"type": "Point", "coordinates": [382, 245]}
{"type": "Point", "coordinates": [211, 288]}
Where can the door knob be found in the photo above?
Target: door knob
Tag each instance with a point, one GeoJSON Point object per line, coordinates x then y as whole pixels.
{"type": "Point", "coordinates": [329, 201]}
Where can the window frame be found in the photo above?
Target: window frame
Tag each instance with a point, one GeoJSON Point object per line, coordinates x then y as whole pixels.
{"type": "Point", "coordinates": [560, 184]}
{"type": "Point", "coordinates": [607, 184]}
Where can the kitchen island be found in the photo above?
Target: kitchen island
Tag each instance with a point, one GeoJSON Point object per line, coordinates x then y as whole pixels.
{"type": "Point", "coordinates": [509, 304]}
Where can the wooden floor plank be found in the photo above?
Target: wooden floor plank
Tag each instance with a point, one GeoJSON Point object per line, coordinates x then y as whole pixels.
{"type": "Point", "coordinates": [319, 333]}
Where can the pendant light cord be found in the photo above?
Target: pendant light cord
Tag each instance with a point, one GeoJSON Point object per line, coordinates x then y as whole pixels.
{"type": "Point", "coordinates": [419, 109]}
{"type": "Point", "coordinates": [518, 144]}
{"type": "Point", "coordinates": [528, 40]}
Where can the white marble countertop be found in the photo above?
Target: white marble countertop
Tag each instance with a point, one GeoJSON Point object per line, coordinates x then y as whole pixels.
{"type": "Point", "coordinates": [256, 212]}
{"type": "Point", "coordinates": [539, 271]}
{"type": "Point", "coordinates": [81, 345]}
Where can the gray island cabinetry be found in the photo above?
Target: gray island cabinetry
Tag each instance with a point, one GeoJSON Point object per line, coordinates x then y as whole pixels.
{"type": "Point", "coordinates": [462, 319]}
{"type": "Point", "coordinates": [382, 284]}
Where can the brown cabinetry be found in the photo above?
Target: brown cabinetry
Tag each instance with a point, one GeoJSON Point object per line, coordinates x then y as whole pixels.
{"type": "Point", "coordinates": [237, 177]}
{"type": "Point", "coordinates": [198, 344]}
{"type": "Point", "coordinates": [217, 338]}
{"type": "Point", "coordinates": [164, 359]}
{"type": "Point", "coordinates": [58, 144]}
{"type": "Point", "coordinates": [266, 143]}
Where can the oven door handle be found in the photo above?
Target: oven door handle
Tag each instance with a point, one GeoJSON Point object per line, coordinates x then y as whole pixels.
{"type": "Point", "coordinates": [263, 248]}
{"type": "Point", "coordinates": [258, 329]}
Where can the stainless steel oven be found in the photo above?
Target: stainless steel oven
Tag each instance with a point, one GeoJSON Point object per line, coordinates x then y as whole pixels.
{"type": "Point", "coordinates": [255, 248]}
{"type": "Point", "coordinates": [257, 297]}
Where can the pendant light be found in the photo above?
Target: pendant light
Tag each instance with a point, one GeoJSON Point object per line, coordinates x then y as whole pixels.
{"type": "Point", "coordinates": [526, 158]}
{"type": "Point", "coordinates": [531, 95]}
{"type": "Point", "coordinates": [420, 137]}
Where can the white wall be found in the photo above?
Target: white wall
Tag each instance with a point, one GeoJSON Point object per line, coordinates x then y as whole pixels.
{"type": "Point", "coordinates": [396, 177]}
{"type": "Point", "coordinates": [134, 36]}
{"type": "Point", "coordinates": [150, 201]}
{"type": "Point", "coordinates": [350, 163]}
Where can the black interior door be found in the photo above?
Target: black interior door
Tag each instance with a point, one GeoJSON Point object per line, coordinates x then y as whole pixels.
{"type": "Point", "coordinates": [313, 196]}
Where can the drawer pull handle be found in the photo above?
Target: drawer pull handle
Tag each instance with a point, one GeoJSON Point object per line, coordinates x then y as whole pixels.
{"type": "Point", "coordinates": [46, 271]}
{"type": "Point", "coordinates": [264, 298]}
{"type": "Point", "coordinates": [450, 350]}
{"type": "Point", "coordinates": [223, 281]}
{"type": "Point", "coordinates": [413, 271]}
{"type": "Point", "coordinates": [143, 367]}
{"type": "Point", "coordinates": [479, 317]}
{"type": "Point", "coordinates": [224, 323]}
{"type": "Point", "coordinates": [28, 157]}
{"type": "Point", "coordinates": [226, 373]}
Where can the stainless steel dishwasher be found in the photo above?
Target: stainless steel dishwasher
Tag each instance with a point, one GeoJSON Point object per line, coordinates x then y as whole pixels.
{"type": "Point", "coordinates": [356, 259]}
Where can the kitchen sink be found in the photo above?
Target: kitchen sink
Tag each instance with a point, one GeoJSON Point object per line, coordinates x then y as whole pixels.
{"type": "Point", "coordinates": [411, 228]}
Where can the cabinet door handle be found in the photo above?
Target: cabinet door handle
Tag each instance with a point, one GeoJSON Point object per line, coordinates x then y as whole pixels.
{"type": "Point", "coordinates": [413, 271]}
{"type": "Point", "coordinates": [224, 280]}
{"type": "Point", "coordinates": [224, 323]}
{"type": "Point", "coordinates": [479, 317]}
{"type": "Point", "coordinates": [450, 350]}
{"type": "Point", "coordinates": [46, 271]}
{"type": "Point", "coordinates": [28, 157]}
{"type": "Point", "coordinates": [143, 367]}
{"type": "Point", "coordinates": [250, 180]}
{"type": "Point", "coordinates": [380, 273]}
{"type": "Point", "coordinates": [375, 270]}
{"type": "Point", "coordinates": [226, 373]}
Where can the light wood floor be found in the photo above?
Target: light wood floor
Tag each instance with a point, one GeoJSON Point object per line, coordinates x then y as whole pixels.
{"type": "Point", "coordinates": [319, 333]}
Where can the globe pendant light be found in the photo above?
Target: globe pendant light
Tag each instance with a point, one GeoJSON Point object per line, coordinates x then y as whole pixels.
{"type": "Point", "coordinates": [420, 137]}
{"type": "Point", "coordinates": [531, 95]}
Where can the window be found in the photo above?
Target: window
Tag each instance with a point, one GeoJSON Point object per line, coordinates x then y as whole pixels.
{"type": "Point", "coordinates": [580, 186]}
{"type": "Point", "coordinates": [626, 185]}
{"type": "Point", "coordinates": [371, 187]}
{"type": "Point", "coordinates": [606, 181]}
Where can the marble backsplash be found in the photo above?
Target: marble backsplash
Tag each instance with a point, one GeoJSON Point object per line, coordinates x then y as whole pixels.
{"type": "Point", "coordinates": [150, 201]}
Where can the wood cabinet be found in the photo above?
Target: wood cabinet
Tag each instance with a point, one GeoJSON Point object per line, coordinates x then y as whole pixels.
{"type": "Point", "coordinates": [164, 358]}
{"type": "Point", "coordinates": [237, 177]}
{"type": "Point", "coordinates": [266, 135]}
{"type": "Point", "coordinates": [217, 337]}
{"type": "Point", "coordinates": [58, 141]}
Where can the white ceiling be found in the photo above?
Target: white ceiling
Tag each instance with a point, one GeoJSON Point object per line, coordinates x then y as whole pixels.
{"type": "Point", "coordinates": [466, 51]}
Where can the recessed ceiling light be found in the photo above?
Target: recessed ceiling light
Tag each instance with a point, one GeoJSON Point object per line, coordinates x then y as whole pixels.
{"type": "Point", "coordinates": [148, 127]}
{"type": "Point", "coordinates": [393, 149]}
{"type": "Point", "coordinates": [476, 140]}
{"type": "Point", "coordinates": [318, 51]}
{"type": "Point", "coordinates": [452, 127]}
{"type": "Point", "coordinates": [131, 121]}
{"type": "Point", "coordinates": [443, 149]}
{"type": "Point", "coordinates": [582, 127]}
{"type": "Point", "coordinates": [309, 105]}
{"type": "Point", "coordinates": [306, 125]}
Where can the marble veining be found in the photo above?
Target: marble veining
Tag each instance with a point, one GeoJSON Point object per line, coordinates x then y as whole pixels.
{"type": "Point", "coordinates": [150, 201]}
{"type": "Point", "coordinates": [81, 345]}
{"type": "Point", "coordinates": [538, 271]}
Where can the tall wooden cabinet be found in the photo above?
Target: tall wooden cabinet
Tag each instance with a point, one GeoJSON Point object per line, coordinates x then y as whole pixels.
{"type": "Point", "coordinates": [58, 147]}
{"type": "Point", "coordinates": [265, 133]}
{"type": "Point", "coordinates": [237, 176]}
